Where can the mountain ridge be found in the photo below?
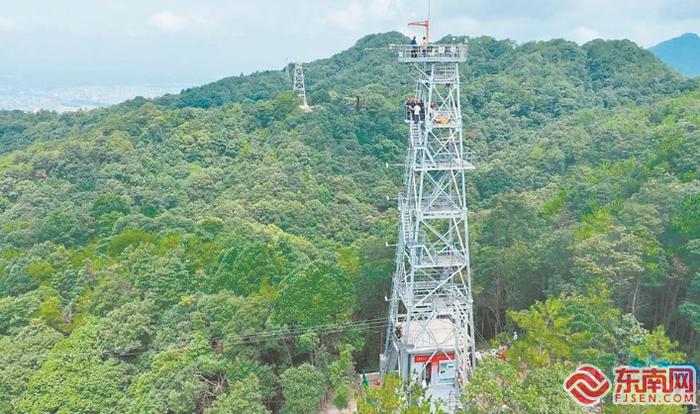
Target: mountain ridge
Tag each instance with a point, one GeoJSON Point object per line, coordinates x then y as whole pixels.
{"type": "Point", "coordinates": [681, 53]}
{"type": "Point", "coordinates": [371, 53]}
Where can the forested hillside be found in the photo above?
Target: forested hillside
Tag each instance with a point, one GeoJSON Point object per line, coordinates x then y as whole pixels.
{"type": "Point", "coordinates": [218, 250]}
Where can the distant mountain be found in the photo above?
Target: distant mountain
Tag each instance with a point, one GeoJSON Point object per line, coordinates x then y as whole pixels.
{"type": "Point", "coordinates": [682, 53]}
{"type": "Point", "coordinates": [611, 72]}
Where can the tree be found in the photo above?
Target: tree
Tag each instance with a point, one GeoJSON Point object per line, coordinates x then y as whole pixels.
{"type": "Point", "coordinates": [243, 396]}
{"type": "Point", "coordinates": [303, 388]}
{"type": "Point", "coordinates": [125, 330]}
{"type": "Point", "coordinates": [578, 329]}
{"type": "Point", "coordinates": [20, 356]}
{"type": "Point", "coordinates": [342, 375]}
{"type": "Point", "coordinates": [391, 397]}
{"type": "Point", "coordinates": [688, 218]}
{"type": "Point", "coordinates": [657, 348]}
{"type": "Point", "coordinates": [75, 378]}
{"type": "Point", "coordinates": [611, 260]}
{"type": "Point", "coordinates": [179, 380]}
{"type": "Point", "coordinates": [691, 307]}
{"type": "Point", "coordinates": [16, 312]}
{"type": "Point", "coordinates": [163, 279]}
{"type": "Point", "coordinates": [315, 295]}
{"type": "Point", "coordinates": [502, 387]}
{"type": "Point", "coordinates": [109, 203]}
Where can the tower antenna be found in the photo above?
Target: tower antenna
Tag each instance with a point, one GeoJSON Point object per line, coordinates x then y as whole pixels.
{"type": "Point", "coordinates": [425, 24]}
{"type": "Point", "coordinates": [428, 10]}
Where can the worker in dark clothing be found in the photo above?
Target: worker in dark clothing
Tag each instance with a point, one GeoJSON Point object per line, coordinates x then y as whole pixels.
{"type": "Point", "coordinates": [414, 47]}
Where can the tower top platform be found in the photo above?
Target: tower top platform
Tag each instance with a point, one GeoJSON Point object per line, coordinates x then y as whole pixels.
{"type": "Point", "coordinates": [431, 53]}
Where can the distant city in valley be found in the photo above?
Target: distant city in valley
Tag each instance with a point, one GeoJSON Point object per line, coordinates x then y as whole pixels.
{"type": "Point", "coordinates": [77, 97]}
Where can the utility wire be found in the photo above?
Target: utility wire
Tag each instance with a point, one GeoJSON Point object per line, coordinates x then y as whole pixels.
{"type": "Point", "coordinates": [303, 330]}
{"type": "Point", "coordinates": [327, 329]}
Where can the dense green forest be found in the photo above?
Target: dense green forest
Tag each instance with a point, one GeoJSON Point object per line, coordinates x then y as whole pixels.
{"type": "Point", "coordinates": [217, 250]}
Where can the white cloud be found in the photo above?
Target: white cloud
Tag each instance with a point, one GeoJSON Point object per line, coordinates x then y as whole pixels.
{"type": "Point", "coordinates": [362, 14]}
{"type": "Point", "coordinates": [583, 34]}
{"type": "Point", "coordinates": [166, 20]}
{"type": "Point", "coordinates": [380, 8]}
{"type": "Point", "coordinates": [7, 25]}
{"type": "Point", "coordinates": [348, 17]}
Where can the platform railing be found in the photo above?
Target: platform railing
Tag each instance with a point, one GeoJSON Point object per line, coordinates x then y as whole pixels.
{"type": "Point", "coordinates": [468, 155]}
{"type": "Point", "coordinates": [431, 53]}
{"type": "Point", "coordinates": [445, 74]}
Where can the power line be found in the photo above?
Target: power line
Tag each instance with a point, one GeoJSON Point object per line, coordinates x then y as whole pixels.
{"type": "Point", "coordinates": [303, 330]}
{"type": "Point", "coordinates": [324, 330]}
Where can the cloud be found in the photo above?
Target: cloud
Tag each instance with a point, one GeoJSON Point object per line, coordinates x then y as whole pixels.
{"type": "Point", "coordinates": [681, 10]}
{"type": "Point", "coordinates": [380, 8]}
{"type": "Point", "coordinates": [7, 25]}
{"type": "Point", "coordinates": [347, 17]}
{"type": "Point", "coordinates": [169, 21]}
{"type": "Point", "coordinates": [583, 34]}
{"type": "Point", "coordinates": [362, 13]}
{"type": "Point", "coordinates": [500, 9]}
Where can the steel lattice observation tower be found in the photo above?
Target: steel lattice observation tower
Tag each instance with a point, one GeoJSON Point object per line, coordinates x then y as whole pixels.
{"type": "Point", "coordinates": [430, 338]}
{"type": "Point", "coordinates": [300, 87]}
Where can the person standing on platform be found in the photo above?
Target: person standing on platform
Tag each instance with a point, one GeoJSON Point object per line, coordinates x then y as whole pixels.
{"type": "Point", "coordinates": [414, 47]}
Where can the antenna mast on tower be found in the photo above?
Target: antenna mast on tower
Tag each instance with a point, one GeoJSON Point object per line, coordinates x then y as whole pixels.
{"type": "Point", "coordinates": [430, 336]}
{"type": "Point", "coordinates": [425, 24]}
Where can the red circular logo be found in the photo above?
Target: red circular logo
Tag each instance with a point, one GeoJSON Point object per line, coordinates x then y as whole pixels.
{"type": "Point", "coordinates": [587, 385]}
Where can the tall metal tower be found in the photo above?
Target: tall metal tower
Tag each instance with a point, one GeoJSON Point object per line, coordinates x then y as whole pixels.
{"type": "Point", "coordinates": [299, 86]}
{"type": "Point", "coordinates": [430, 338]}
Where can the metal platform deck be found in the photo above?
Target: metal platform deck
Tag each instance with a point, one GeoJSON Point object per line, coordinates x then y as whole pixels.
{"type": "Point", "coordinates": [432, 53]}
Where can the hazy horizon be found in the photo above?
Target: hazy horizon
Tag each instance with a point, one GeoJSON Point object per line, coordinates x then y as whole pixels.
{"type": "Point", "coordinates": [160, 45]}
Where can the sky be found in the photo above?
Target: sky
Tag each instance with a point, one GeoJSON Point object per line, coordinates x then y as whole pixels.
{"type": "Point", "coordinates": [73, 42]}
